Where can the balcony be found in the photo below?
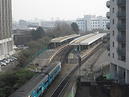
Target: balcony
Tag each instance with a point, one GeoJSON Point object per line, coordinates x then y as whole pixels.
{"type": "Point", "coordinates": [121, 14]}
{"type": "Point", "coordinates": [121, 2]}
{"type": "Point", "coordinates": [121, 38]}
{"type": "Point", "coordinates": [108, 15]}
{"type": "Point", "coordinates": [108, 4]}
{"type": "Point", "coordinates": [108, 25]}
{"type": "Point", "coordinates": [121, 27]}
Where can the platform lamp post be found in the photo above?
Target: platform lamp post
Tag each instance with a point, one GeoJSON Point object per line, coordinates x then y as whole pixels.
{"type": "Point", "coordinates": [79, 59]}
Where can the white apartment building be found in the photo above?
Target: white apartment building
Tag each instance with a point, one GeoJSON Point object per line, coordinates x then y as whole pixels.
{"type": "Point", "coordinates": [82, 24]}
{"type": "Point", "coordinates": [99, 23]}
{"type": "Point", "coordinates": [119, 39]}
{"type": "Point", "coordinates": [91, 22]}
{"type": "Point", "coordinates": [6, 41]}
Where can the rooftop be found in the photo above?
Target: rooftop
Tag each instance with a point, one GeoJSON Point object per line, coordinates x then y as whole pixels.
{"type": "Point", "coordinates": [62, 39]}
{"type": "Point", "coordinates": [80, 39]}
{"type": "Point", "coordinates": [92, 39]}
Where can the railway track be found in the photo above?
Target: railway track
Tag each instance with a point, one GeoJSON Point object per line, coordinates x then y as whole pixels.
{"type": "Point", "coordinates": [59, 90]}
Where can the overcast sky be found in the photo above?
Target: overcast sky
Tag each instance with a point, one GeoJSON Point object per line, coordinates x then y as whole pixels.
{"type": "Point", "coordinates": [57, 9]}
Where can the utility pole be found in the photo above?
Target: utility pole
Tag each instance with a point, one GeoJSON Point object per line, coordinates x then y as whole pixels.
{"type": "Point", "coordinates": [79, 59]}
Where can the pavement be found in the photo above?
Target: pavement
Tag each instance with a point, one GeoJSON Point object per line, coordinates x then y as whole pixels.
{"type": "Point", "coordinates": [43, 58]}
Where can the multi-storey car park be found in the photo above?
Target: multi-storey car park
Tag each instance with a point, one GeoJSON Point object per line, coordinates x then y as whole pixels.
{"type": "Point", "coordinates": [119, 47]}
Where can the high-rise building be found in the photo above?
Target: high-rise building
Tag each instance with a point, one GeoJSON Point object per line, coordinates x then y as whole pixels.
{"type": "Point", "coordinates": [6, 42]}
{"type": "Point", "coordinates": [119, 39]}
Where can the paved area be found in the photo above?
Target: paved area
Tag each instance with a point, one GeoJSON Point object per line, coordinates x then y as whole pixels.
{"type": "Point", "coordinates": [8, 67]}
{"type": "Point", "coordinates": [44, 57]}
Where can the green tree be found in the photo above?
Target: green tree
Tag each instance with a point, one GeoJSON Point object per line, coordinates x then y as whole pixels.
{"type": "Point", "coordinates": [38, 33]}
{"type": "Point", "coordinates": [75, 27]}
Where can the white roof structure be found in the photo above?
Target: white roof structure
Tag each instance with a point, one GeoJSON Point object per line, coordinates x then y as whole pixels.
{"type": "Point", "coordinates": [78, 40]}
{"type": "Point", "coordinates": [61, 39]}
{"type": "Point", "coordinates": [93, 39]}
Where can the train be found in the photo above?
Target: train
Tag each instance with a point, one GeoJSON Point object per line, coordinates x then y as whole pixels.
{"type": "Point", "coordinates": [40, 83]}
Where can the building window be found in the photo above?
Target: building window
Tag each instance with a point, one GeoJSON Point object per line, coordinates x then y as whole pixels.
{"type": "Point", "coordinates": [113, 21]}
{"type": "Point", "coordinates": [113, 10]}
{"type": "Point", "coordinates": [123, 45]}
{"type": "Point", "coordinates": [113, 44]}
{"type": "Point", "coordinates": [113, 55]}
{"type": "Point", "coordinates": [113, 33]}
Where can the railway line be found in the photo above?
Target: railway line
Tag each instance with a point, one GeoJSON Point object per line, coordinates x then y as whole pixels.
{"type": "Point", "coordinates": [59, 90]}
{"type": "Point", "coordinates": [68, 70]}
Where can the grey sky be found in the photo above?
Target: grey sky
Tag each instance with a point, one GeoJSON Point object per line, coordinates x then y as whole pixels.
{"type": "Point", "coordinates": [61, 9]}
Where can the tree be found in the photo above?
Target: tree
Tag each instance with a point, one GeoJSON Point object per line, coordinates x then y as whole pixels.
{"type": "Point", "coordinates": [75, 27]}
{"type": "Point", "coordinates": [38, 33]}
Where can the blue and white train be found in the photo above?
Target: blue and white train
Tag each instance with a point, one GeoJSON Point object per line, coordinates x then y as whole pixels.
{"type": "Point", "coordinates": [39, 84]}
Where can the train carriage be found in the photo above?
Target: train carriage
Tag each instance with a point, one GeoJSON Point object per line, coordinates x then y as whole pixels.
{"type": "Point", "coordinates": [38, 84]}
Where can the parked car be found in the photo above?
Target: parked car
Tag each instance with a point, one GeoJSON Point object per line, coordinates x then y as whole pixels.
{"type": "Point", "coordinates": [6, 61]}
{"type": "Point", "coordinates": [3, 64]}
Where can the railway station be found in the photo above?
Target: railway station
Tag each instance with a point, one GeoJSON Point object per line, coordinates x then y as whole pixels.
{"type": "Point", "coordinates": [88, 41]}
{"type": "Point", "coordinates": [56, 42]}
{"type": "Point", "coordinates": [64, 46]}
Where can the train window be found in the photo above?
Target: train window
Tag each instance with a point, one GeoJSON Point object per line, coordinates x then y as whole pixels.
{"type": "Point", "coordinates": [39, 89]}
{"type": "Point", "coordinates": [46, 82]}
